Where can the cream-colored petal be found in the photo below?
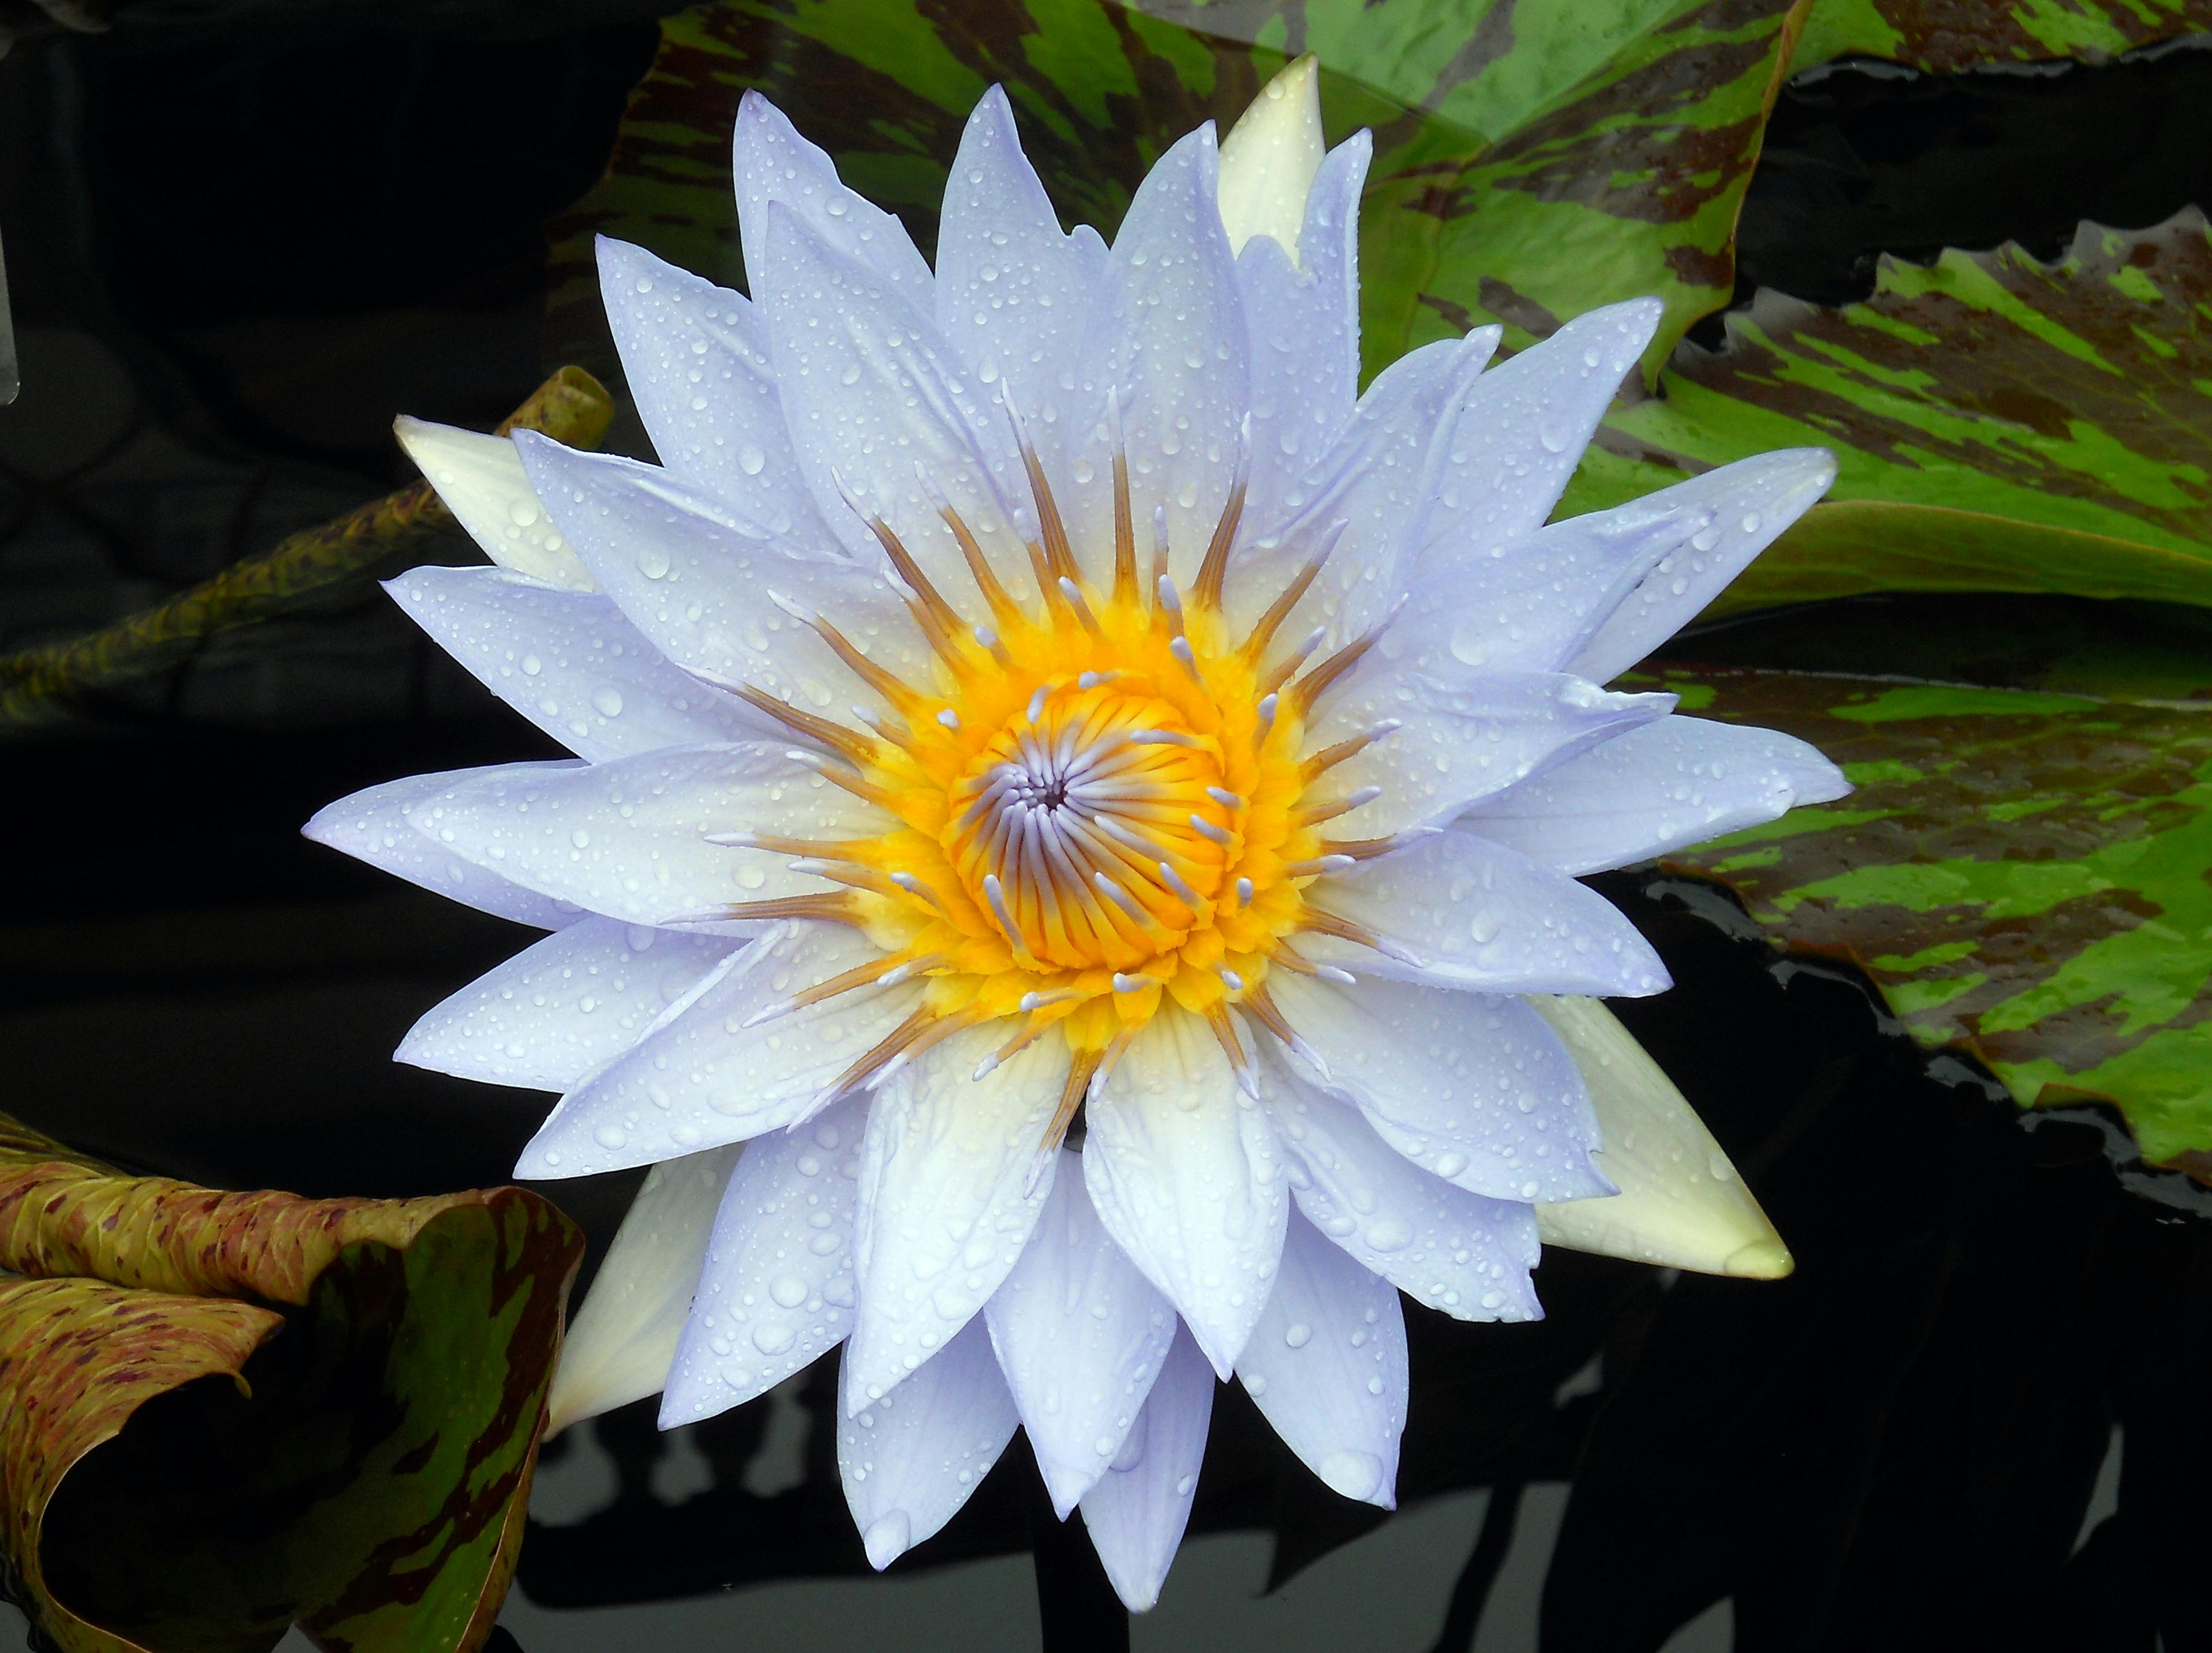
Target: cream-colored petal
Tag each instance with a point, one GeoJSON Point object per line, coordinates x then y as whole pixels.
{"type": "Point", "coordinates": [623, 1341]}
{"type": "Point", "coordinates": [1681, 1204]}
{"type": "Point", "coordinates": [481, 481]}
{"type": "Point", "coordinates": [1269, 158]}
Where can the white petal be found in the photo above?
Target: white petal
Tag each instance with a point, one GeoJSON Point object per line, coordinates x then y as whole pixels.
{"type": "Point", "coordinates": [1752, 501]}
{"type": "Point", "coordinates": [1531, 604]}
{"type": "Point", "coordinates": [1013, 295]}
{"type": "Point", "coordinates": [627, 838]}
{"type": "Point", "coordinates": [1525, 425]}
{"type": "Point", "coordinates": [1445, 1247]}
{"type": "Point", "coordinates": [696, 359]}
{"type": "Point", "coordinates": [1170, 339]}
{"type": "Point", "coordinates": [1456, 742]}
{"type": "Point", "coordinates": [372, 826]}
{"type": "Point", "coordinates": [775, 1292]}
{"type": "Point", "coordinates": [1370, 491]}
{"type": "Point", "coordinates": [1660, 787]}
{"type": "Point", "coordinates": [1326, 1366]}
{"type": "Point", "coordinates": [1305, 331]}
{"type": "Point", "coordinates": [910, 1459]}
{"type": "Point", "coordinates": [773, 162]}
{"type": "Point", "coordinates": [1270, 156]}
{"type": "Point", "coordinates": [1186, 1178]}
{"type": "Point", "coordinates": [702, 584]}
{"type": "Point", "coordinates": [1462, 912]}
{"type": "Point", "coordinates": [1681, 1204]}
{"type": "Point", "coordinates": [482, 485]}
{"type": "Point", "coordinates": [1138, 1511]}
{"type": "Point", "coordinates": [947, 1197]}
{"type": "Point", "coordinates": [558, 1010]}
{"type": "Point", "coordinates": [872, 390]}
{"type": "Point", "coordinates": [1477, 1080]}
{"type": "Point", "coordinates": [619, 1346]}
{"type": "Point", "coordinates": [704, 1077]}
{"type": "Point", "coordinates": [570, 663]}
{"type": "Point", "coordinates": [1081, 1336]}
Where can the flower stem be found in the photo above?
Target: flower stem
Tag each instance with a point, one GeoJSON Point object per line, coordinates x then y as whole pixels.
{"type": "Point", "coordinates": [38, 684]}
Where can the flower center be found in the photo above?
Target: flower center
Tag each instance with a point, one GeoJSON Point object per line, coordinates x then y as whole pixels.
{"type": "Point", "coordinates": [1098, 806]}
{"type": "Point", "coordinates": [1094, 826]}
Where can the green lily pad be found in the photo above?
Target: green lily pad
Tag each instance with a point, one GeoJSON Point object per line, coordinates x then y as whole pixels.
{"type": "Point", "coordinates": [1530, 163]}
{"type": "Point", "coordinates": [222, 1414]}
{"type": "Point", "coordinates": [2022, 873]}
{"type": "Point", "coordinates": [2001, 424]}
{"type": "Point", "coordinates": [1945, 36]}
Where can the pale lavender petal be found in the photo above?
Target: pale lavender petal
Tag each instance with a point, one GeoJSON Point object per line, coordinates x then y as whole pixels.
{"type": "Point", "coordinates": [561, 1009]}
{"type": "Point", "coordinates": [1445, 1248]}
{"type": "Point", "coordinates": [696, 360]}
{"type": "Point", "coordinates": [1326, 1366]}
{"type": "Point", "coordinates": [775, 1290]}
{"type": "Point", "coordinates": [1014, 295]}
{"type": "Point", "coordinates": [1523, 428]}
{"type": "Point", "coordinates": [1081, 1336]}
{"type": "Point", "coordinates": [1304, 326]}
{"type": "Point", "coordinates": [1185, 1175]}
{"type": "Point", "coordinates": [1443, 745]}
{"type": "Point", "coordinates": [910, 1459]}
{"type": "Point", "coordinates": [1752, 501]}
{"type": "Point", "coordinates": [1171, 342]}
{"type": "Point", "coordinates": [873, 391]}
{"type": "Point", "coordinates": [947, 1197]}
{"type": "Point", "coordinates": [771, 163]}
{"type": "Point", "coordinates": [1137, 1511]}
{"type": "Point", "coordinates": [1663, 787]}
{"type": "Point", "coordinates": [1366, 493]}
{"type": "Point", "coordinates": [628, 838]}
{"type": "Point", "coordinates": [569, 662]}
{"type": "Point", "coordinates": [1459, 911]}
{"type": "Point", "coordinates": [1478, 1079]}
{"type": "Point", "coordinates": [708, 588]}
{"type": "Point", "coordinates": [704, 1077]}
{"type": "Point", "coordinates": [372, 826]}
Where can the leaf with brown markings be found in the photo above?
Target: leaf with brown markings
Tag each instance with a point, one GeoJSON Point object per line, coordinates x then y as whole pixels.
{"type": "Point", "coordinates": [2023, 874]}
{"type": "Point", "coordinates": [2002, 424]}
{"type": "Point", "coordinates": [224, 1414]}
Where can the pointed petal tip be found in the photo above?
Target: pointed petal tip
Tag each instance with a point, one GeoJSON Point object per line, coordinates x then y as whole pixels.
{"type": "Point", "coordinates": [1766, 1259]}
{"type": "Point", "coordinates": [890, 1536]}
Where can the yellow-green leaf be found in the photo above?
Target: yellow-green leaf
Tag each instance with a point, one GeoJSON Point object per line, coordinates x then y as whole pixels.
{"type": "Point", "coordinates": [224, 1414]}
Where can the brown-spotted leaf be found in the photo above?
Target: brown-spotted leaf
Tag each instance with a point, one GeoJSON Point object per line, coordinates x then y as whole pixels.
{"type": "Point", "coordinates": [1531, 162]}
{"type": "Point", "coordinates": [229, 1412]}
{"type": "Point", "coordinates": [1947, 37]}
{"type": "Point", "coordinates": [2000, 424]}
{"type": "Point", "coordinates": [2023, 874]}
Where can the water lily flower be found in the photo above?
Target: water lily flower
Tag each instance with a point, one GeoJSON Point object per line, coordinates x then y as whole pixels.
{"type": "Point", "coordinates": [1092, 805]}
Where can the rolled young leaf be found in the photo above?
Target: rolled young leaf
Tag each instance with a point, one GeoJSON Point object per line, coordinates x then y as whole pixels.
{"type": "Point", "coordinates": [224, 1414]}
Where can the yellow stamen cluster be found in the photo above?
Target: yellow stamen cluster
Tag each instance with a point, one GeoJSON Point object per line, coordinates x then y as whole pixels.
{"type": "Point", "coordinates": [1101, 803]}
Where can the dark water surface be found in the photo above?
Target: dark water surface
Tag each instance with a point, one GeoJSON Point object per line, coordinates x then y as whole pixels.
{"type": "Point", "coordinates": [241, 237]}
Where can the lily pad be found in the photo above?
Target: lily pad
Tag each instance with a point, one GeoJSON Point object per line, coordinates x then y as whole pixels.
{"type": "Point", "coordinates": [1947, 36]}
{"type": "Point", "coordinates": [2001, 424]}
{"type": "Point", "coordinates": [2021, 873]}
{"type": "Point", "coordinates": [1530, 163]}
{"type": "Point", "coordinates": [224, 1414]}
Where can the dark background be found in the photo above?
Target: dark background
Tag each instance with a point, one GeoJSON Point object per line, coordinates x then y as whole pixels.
{"type": "Point", "coordinates": [241, 237]}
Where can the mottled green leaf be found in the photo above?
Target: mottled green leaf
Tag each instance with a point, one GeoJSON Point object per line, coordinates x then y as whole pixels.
{"type": "Point", "coordinates": [1532, 162]}
{"type": "Point", "coordinates": [223, 1413]}
{"type": "Point", "coordinates": [1946, 36]}
{"type": "Point", "coordinates": [2023, 874]}
{"type": "Point", "coordinates": [2002, 424]}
